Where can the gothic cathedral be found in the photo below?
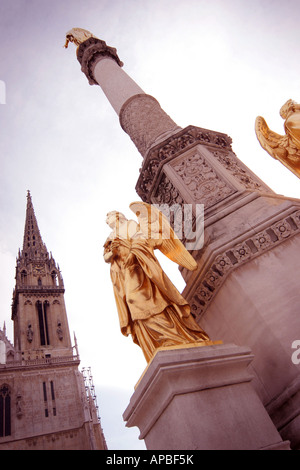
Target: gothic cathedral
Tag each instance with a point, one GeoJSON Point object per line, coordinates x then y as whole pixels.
{"type": "Point", "coordinates": [45, 401]}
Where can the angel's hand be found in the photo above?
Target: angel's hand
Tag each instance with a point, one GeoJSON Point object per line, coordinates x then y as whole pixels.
{"type": "Point", "coordinates": [108, 255]}
{"type": "Point", "coordinates": [155, 243]}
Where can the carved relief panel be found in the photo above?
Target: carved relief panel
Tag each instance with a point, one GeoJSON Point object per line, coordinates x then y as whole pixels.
{"type": "Point", "coordinates": [198, 181]}
{"type": "Point", "coordinates": [216, 150]}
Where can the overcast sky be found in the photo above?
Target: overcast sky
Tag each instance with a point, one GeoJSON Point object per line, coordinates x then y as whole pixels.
{"type": "Point", "coordinates": [215, 64]}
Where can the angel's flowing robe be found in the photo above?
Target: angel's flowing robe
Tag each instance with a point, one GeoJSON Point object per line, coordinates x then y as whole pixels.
{"type": "Point", "coordinates": [150, 307]}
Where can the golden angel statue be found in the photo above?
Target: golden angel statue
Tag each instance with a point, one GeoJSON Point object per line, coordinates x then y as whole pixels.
{"type": "Point", "coordinates": [77, 36]}
{"type": "Point", "coordinates": [285, 148]}
{"type": "Point", "coordinates": [150, 307]}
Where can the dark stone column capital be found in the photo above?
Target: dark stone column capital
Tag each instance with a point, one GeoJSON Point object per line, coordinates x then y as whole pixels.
{"type": "Point", "coordinates": [90, 52]}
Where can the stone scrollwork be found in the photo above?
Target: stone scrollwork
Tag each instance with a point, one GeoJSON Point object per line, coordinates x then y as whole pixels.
{"type": "Point", "coordinates": [217, 143]}
{"type": "Point", "coordinates": [201, 180]}
{"type": "Point", "coordinates": [234, 167]}
{"type": "Point", "coordinates": [167, 193]}
{"type": "Point", "coordinates": [143, 119]}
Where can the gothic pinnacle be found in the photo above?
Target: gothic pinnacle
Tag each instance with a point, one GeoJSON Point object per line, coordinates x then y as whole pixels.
{"type": "Point", "coordinates": [33, 246]}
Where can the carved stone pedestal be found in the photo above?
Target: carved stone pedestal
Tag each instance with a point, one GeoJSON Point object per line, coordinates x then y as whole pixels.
{"type": "Point", "coordinates": [201, 398]}
{"type": "Point", "coordinates": [246, 287]}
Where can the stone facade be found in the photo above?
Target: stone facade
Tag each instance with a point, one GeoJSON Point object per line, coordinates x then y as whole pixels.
{"type": "Point", "coordinates": [48, 406]}
{"type": "Point", "coordinates": [45, 403]}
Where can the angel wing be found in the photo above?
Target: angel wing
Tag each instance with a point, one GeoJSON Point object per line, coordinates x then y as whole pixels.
{"type": "Point", "coordinates": [275, 144]}
{"type": "Point", "coordinates": [155, 225]}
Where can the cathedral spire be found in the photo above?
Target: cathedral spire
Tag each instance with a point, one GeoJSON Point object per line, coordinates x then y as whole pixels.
{"type": "Point", "coordinates": [33, 246]}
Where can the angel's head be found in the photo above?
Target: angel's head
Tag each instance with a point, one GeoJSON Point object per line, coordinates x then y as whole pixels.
{"type": "Point", "coordinates": [115, 218]}
{"type": "Point", "coordinates": [69, 38]}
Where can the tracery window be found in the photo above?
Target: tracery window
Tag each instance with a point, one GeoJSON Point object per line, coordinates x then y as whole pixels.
{"type": "Point", "coordinates": [43, 322]}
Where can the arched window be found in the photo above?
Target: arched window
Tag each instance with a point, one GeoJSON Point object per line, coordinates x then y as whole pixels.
{"type": "Point", "coordinates": [5, 413]}
{"type": "Point", "coordinates": [43, 323]}
{"type": "Point", "coordinates": [54, 278]}
{"type": "Point", "coordinates": [24, 277]}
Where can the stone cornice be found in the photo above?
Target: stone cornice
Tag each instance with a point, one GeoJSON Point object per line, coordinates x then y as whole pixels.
{"type": "Point", "coordinates": [40, 290]}
{"type": "Point", "coordinates": [37, 291]}
{"type": "Point", "coordinates": [39, 363]}
{"type": "Point", "coordinates": [90, 52]}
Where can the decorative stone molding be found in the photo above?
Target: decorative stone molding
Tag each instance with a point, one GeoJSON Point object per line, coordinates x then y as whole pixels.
{"type": "Point", "coordinates": [217, 143]}
{"type": "Point", "coordinates": [143, 119]}
{"type": "Point", "coordinates": [201, 180]}
{"type": "Point", "coordinates": [235, 168]}
{"type": "Point", "coordinates": [39, 363]}
{"type": "Point", "coordinates": [240, 253]}
{"type": "Point", "coordinates": [90, 52]}
{"type": "Point", "coordinates": [167, 193]}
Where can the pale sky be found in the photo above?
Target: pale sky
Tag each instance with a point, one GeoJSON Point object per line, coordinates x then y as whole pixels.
{"type": "Point", "coordinates": [215, 64]}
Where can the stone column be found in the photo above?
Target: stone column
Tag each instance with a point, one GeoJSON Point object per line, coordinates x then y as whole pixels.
{"type": "Point", "coordinates": [246, 288]}
{"type": "Point", "coordinates": [201, 398]}
{"type": "Point", "coordinates": [141, 116]}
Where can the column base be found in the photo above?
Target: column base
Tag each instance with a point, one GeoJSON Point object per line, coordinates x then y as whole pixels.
{"type": "Point", "coordinates": [201, 398]}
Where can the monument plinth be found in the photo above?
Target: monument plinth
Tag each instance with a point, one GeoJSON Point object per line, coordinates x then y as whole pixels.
{"type": "Point", "coordinates": [201, 398]}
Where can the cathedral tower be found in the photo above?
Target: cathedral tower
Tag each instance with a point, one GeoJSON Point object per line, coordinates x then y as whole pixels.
{"type": "Point", "coordinates": [40, 321]}
{"type": "Point", "coordinates": [46, 403]}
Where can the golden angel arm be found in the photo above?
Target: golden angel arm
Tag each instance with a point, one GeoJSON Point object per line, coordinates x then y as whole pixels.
{"type": "Point", "coordinates": [285, 148]}
{"type": "Point", "coordinates": [270, 141]}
